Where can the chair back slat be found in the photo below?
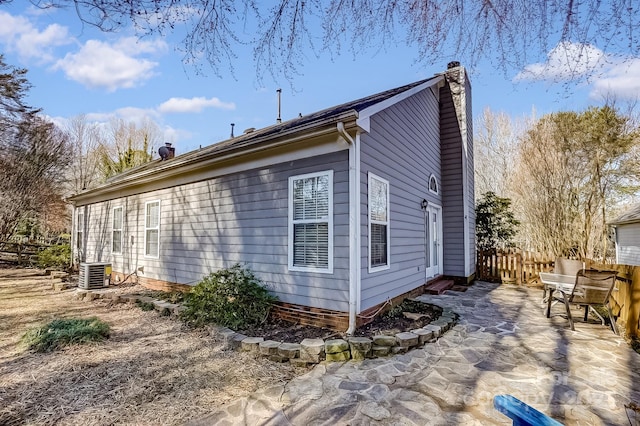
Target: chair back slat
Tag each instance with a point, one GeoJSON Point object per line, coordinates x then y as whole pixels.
{"type": "Point", "coordinates": [564, 266]}
{"type": "Point", "coordinates": [593, 286]}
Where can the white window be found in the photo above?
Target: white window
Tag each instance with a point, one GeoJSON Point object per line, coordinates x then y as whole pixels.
{"type": "Point", "coordinates": [433, 184]}
{"type": "Point", "coordinates": [311, 222]}
{"type": "Point", "coordinates": [116, 231]}
{"type": "Point", "coordinates": [379, 254]}
{"type": "Point", "coordinates": [152, 229]}
{"type": "Point", "coordinates": [80, 232]}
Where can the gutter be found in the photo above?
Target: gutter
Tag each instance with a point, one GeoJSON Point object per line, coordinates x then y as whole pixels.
{"type": "Point", "coordinates": [354, 225]}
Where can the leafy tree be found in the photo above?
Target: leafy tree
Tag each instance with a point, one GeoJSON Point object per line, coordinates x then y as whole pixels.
{"type": "Point", "coordinates": [508, 33]}
{"type": "Point", "coordinates": [495, 223]}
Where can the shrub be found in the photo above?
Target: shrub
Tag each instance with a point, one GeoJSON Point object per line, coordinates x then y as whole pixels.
{"type": "Point", "coordinates": [145, 306]}
{"type": "Point", "coordinates": [58, 256]}
{"type": "Point", "coordinates": [232, 297]}
{"type": "Point", "coordinates": [495, 223]}
{"type": "Point", "coordinates": [61, 332]}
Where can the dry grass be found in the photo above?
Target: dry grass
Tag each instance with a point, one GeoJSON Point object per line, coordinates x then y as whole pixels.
{"type": "Point", "coordinates": [151, 371]}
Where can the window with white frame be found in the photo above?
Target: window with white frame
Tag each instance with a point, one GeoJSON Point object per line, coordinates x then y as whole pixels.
{"type": "Point", "coordinates": [116, 231]}
{"type": "Point", "coordinates": [433, 184]}
{"type": "Point", "coordinates": [152, 229]}
{"type": "Point", "coordinates": [80, 231]}
{"type": "Point", "coordinates": [311, 222]}
{"type": "Point", "coordinates": [379, 255]}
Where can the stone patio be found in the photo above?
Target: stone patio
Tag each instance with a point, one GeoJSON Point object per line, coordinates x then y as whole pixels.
{"type": "Point", "coordinates": [502, 344]}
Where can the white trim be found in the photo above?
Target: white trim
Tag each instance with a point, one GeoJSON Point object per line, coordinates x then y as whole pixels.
{"type": "Point", "coordinates": [358, 240]}
{"type": "Point", "coordinates": [435, 179]}
{"type": "Point", "coordinates": [146, 229]}
{"type": "Point", "coordinates": [77, 251]}
{"type": "Point", "coordinates": [429, 273]}
{"type": "Point", "coordinates": [364, 116]}
{"type": "Point", "coordinates": [329, 221]}
{"type": "Point", "coordinates": [80, 239]}
{"type": "Point", "coordinates": [370, 178]}
{"type": "Point", "coordinates": [466, 195]}
{"type": "Point", "coordinates": [113, 216]}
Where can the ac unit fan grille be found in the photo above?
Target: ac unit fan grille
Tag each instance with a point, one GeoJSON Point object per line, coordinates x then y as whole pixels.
{"type": "Point", "coordinates": [92, 275]}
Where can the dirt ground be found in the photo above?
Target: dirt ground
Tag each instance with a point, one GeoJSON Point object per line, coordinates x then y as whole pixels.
{"type": "Point", "coordinates": [152, 370]}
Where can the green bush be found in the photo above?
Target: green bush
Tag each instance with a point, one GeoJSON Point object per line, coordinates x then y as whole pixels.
{"type": "Point", "coordinates": [58, 256]}
{"type": "Point", "coordinates": [232, 297]}
{"type": "Point", "coordinates": [61, 332]}
{"type": "Point", "coordinates": [145, 306]}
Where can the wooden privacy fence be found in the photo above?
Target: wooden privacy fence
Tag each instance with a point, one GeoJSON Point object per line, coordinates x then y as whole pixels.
{"type": "Point", "coordinates": [513, 265]}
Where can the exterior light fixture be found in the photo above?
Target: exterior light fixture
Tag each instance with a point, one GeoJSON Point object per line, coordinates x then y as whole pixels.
{"type": "Point", "coordinates": [424, 204]}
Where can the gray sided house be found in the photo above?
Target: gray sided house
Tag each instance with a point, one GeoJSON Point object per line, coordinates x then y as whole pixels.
{"type": "Point", "coordinates": [627, 233]}
{"type": "Point", "coordinates": [337, 211]}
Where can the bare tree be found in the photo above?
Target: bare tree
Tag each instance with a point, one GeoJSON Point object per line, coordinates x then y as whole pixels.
{"type": "Point", "coordinates": [32, 161]}
{"type": "Point", "coordinates": [127, 145]}
{"type": "Point", "coordinates": [85, 140]}
{"type": "Point", "coordinates": [495, 144]}
{"type": "Point", "coordinates": [508, 33]}
{"type": "Point", "coordinates": [33, 154]}
{"type": "Point", "coordinates": [572, 167]}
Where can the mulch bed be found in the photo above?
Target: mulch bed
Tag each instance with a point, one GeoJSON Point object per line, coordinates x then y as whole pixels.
{"type": "Point", "coordinates": [388, 323]}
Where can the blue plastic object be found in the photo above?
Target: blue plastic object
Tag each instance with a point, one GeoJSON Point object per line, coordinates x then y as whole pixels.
{"type": "Point", "coordinates": [521, 413]}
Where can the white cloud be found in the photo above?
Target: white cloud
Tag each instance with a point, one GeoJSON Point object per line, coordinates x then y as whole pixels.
{"type": "Point", "coordinates": [197, 104]}
{"type": "Point", "coordinates": [112, 66]}
{"type": "Point", "coordinates": [607, 75]}
{"type": "Point", "coordinates": [564, 62]}
{"type": "Point", "coordinates": [129, 114]}
{"type": "Point", "coordinates": [620, 81]}
{"type": "Point", "coordinates": [172, 134]}
{"type": "Point", "coordinates": [19, 35]}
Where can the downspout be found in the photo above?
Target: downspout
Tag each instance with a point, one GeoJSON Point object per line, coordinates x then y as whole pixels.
{"type": "Point", "coordinates": [74, 236]}
{"type": "Point", "coordinates": [354, 225]}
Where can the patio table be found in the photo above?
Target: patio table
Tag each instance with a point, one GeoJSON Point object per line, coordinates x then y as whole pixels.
{"type": "Point", "coordinates": [553, 282]}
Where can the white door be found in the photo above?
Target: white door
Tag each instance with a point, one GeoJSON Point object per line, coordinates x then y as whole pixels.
{"type": "Point", "coordinates": [433, 226]}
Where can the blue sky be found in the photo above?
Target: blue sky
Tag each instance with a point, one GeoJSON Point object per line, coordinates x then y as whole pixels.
{"type": "Point", "coordinates": [80, 70]}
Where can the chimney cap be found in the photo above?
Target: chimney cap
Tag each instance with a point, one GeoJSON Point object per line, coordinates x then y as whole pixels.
{"type": "Point", "coordinates": [453, 64]}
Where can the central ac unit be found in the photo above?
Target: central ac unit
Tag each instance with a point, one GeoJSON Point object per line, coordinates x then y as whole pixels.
{"type": "Point", "coordinates": [94, 275]}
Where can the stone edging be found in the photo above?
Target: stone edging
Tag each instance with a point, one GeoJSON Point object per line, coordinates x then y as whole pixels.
{"type": "Point", "coordinates": [309, 351]}
{"type": "Point", "coordinates": [314, 351]}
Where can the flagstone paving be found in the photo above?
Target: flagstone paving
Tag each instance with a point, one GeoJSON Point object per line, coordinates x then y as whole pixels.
{"type": "Point", "coordinates": [502, 344]}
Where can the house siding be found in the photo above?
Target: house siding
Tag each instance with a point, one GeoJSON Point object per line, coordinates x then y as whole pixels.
{"type": "Point", "coordinates": [242, 217]}
{"type": "Point", "coordinates": [456, 147]}
{"type": "Point", "coordinates": [470, 215]}
{"type": "Point", "coordinates": [628, 244]}
{"type": "Point", "coordinates": [452, 191]}
{"type": "Point", "coordinates": [401, 147]}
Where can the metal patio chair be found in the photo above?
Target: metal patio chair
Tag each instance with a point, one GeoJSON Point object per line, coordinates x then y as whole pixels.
{"type": "Point", "coordinates": [592, 288]}
{"type": "Point", "coordinates": [564, 266]}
